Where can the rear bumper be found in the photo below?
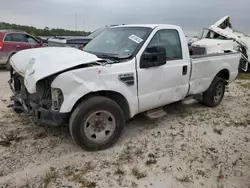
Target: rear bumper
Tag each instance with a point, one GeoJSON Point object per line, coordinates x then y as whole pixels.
{"type": "Point", "coordinates": [3, 61]}
{"type": "Point", "coordinates": [42, 115]}
{"type": "Point", "coordinates": [3, 58]}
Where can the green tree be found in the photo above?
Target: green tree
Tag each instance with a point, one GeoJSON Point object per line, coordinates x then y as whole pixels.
{"type": "Point", "coordinates": [43, 32]}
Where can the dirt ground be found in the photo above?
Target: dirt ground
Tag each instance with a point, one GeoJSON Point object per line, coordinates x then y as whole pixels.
{"type": "Point", "coordinates": [193, 146]}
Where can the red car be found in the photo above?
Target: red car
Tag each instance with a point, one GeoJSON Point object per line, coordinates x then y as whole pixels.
{"type": "Point", "coordinates": [14, 41]}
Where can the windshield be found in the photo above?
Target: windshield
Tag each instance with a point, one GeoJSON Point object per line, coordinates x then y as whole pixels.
{"type": "Point", "coordinates": [118, 42]}
{"type": "Point", "coordinates": [96, 32]}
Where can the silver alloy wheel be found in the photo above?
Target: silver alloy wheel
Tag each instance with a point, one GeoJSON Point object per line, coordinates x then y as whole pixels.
{"type": "Point", "coordinates": [99, 126]}
{"type": "Point", "coordinates": [218, 93]}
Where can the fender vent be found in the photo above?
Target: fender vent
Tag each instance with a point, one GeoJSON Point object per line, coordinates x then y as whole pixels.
{"type": "Point", "coordinates": [128, 79]}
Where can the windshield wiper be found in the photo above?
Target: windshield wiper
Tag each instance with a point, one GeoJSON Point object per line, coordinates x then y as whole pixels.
{"type": "Point", "coordinates": [112, 57]}
{"type": "Point", "coordinates": [109, 56]}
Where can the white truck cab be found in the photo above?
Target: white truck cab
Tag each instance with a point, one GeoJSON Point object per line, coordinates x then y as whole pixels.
{"type": "Point", "coordinates": [124, 71]}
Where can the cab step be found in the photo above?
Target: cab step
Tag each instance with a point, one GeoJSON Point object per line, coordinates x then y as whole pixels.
{"type": "Point", "coordinates": [155, 113]}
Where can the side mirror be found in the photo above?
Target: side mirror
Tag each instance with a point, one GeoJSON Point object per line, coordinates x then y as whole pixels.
{"type": "Point", "coordinates": [153, 56]}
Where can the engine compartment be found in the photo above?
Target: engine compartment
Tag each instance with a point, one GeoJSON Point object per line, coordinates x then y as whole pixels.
{"type": "Point", "coordinates": [42, 97]}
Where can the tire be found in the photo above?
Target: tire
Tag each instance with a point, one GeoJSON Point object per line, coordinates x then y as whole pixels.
{"type": "Point", "coordinates": [88, 132]}
{"type": "Point", "coordinates": [215, 93]}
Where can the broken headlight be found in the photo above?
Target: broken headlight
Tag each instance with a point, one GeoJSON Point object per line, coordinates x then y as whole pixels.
{"type": "Point", "coordinates": [57, 98]}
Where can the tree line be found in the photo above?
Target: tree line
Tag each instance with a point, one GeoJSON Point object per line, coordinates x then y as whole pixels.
{"type": "Point", "coordinates": [42, 32]}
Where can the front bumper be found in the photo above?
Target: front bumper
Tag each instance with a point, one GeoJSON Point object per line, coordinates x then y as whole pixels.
{"type": "Point", "coordinates": [50, 117]}
{"type": "Point", "coordinates": [41, 115]}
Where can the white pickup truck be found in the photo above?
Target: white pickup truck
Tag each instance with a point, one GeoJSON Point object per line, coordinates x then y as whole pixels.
{"type": "Point", "coordinates": [124, 71]}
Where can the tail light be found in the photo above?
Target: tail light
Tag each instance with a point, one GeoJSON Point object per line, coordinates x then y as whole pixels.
{"type": "Point", "coordinates": [1, 45]}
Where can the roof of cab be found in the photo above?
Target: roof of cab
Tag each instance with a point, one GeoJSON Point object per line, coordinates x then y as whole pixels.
{"type": "Point", "coordinates": [148, 25]}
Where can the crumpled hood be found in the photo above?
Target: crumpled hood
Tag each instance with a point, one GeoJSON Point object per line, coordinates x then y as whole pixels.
{"type": "Point", "coordinates": [49, 60]}
{"type": "Point", "coordinates": [39, 63]}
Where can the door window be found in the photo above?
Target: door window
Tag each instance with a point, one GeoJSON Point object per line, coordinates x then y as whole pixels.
{"type": "Point", "coordinates": [8, 38]}
{"type": "Point", "coordinates": [31, 40]}
{"type": "Point", "coordinates": [18, 37]}
{"type": "Point", "coordinates": [170, 40]}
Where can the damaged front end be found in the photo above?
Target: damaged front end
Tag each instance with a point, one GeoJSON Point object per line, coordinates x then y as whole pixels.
{"type": "Point", "coordinates": [44, 105]}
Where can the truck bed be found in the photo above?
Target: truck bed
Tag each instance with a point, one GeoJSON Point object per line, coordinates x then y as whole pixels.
{"type": "Point", "coordinates": [205, 67]}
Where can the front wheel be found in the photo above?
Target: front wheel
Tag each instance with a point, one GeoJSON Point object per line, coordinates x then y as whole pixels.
{"type": "Point", "coordinates": [96, 123]}
{"type": "Point", "coordinates": [215, 93]}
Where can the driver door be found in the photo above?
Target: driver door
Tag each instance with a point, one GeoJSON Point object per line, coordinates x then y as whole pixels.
{"type": "Point", "coordinates": [161, 85]}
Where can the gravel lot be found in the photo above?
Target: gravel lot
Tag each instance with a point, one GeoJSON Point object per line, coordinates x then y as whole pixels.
{"type": "Point", "coordinates": [193, 146]}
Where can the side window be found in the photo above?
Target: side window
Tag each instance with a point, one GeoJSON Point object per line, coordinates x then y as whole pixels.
{"type": "Point", "coordinates": [155, 40]}
{"type": "Point", "coordinates": [8, 38]}
{"type": "Point", "coordinates": [18, 37]}
{"type": "Point", "coordinates": [171, 41]}
{"type": "Point", "coordinates": [31, 40]}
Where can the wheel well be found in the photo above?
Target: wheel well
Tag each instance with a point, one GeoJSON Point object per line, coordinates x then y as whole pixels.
{"type": "Point", "coordinates": [11, 55]}
{"type": "Point", "coordinates": [223, 74]}
{"type": "Point", "coordinates": [115, 96]}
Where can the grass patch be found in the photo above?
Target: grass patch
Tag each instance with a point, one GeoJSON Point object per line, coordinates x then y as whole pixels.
{"type": "Point", "coordinates": [5, 140]}
{"type": "Point", "coordinates": [138, 174]}
{"type": "Point", "coordinates": [77, 175]}
{"type": "Point", "coordinates": [151, 155]}
{"type": "Point", "coordinates": [151, 160]}
{"type": "Point", "coordinates": [133, 184]}
{"type": "Point", "coordinates": [119, 171]}
{"type": "Point", "coordinates": [184, 179]}
{"type": "Point", "coordinates": [86, 168]}
{"type": "Point", "coordinates": [243, 76]}
{"type": "Point", "coordinates": [85, 183]}
{"type": "Point", "coordinates": [68, 171]}
{"type": "Point", "coordinates": [126, 154]}
{"type": "Point", "coordinates": [50, 176]}
{"type": "Point", "coordinates": [218, 131]}
{"type": "Point", "coordinates": [242, 123]}
{"type": "Point", "coordinates": [139, 152]}
{"type": "Point", "coordinates": [245, 85]}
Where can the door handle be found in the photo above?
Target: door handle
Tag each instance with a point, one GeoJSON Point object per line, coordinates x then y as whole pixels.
{"type": "Point", "coordinates": [18, 46]}
{"type": "Point", "coordinates": [184, 70]}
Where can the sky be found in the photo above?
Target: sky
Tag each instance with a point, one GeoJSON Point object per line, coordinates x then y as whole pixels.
{"type": "Point", "coordinates": [88, 15]}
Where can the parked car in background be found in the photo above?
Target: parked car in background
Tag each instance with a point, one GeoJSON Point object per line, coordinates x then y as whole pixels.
{"type": "Point", "coordinates": [75, 41]}
{"type": "Point", "coordinates": [222, 36]}
{"type": "Point", "coordinates": [13, 41]}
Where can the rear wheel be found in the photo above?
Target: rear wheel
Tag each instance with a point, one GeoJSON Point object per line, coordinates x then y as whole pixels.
{"type": "Point", "coordinates": [97, 123]}
{"type": "Point", "coordinates": [215, 93]}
